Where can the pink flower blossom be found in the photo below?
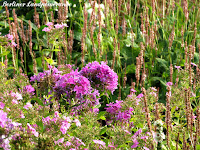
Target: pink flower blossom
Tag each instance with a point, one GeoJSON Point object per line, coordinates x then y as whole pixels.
{"type": "Point", "coordinates": [177, 67]}
{"type": "Point", "coordinates": [135, 143]}
{"type": "Point", "coordinates": [140, 95]}
{"type": "Point", "coordinates": [28, 105]}
{"type": "Point", "coordinates": [99, 142]}
{"type": "Point", "coordinates": [9, 36]}
{"type": "Point", "coordinates": [33, 131]}
{"type": "Point", "coordinates": [68, 143]}
{"type": "Point", "coordinates": [2, 105]}
{"type": "Point", "coordinates": [64, 127]}
{"type": "Point", "coordinates": [16, 95]}
{"type": "Point", "coordinates": [59, 141]}
{"type": "Point", "coordinates": [14, 101]}
{"type": "Point", "coordinates": [49, 24]}
{"type": "Point", "coordinates": [95, 110]}
{"type": "Point", "coordinates": [60, 26]}
{"type": "Point", "coordinates": [169, 83]}
{"type": "Point", "coordinates": [78, 124]}
{"type": "Point", "coordinates": [132, 90]}
{"type": "Point", "coordinates": [13, 44]}
{"type": "Point", "coordinates": [67, 119]}
{"type": "Point", "coordinates": [56, 114]}
{"type": "Point", "coordinates": [46, 29]}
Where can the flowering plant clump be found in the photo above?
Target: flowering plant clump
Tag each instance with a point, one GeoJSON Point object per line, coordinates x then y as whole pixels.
{"type": "Point", "coordinates": [101, 76]}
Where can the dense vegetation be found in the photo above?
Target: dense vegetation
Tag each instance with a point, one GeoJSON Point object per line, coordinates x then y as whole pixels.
{"type": "Point", "coordinates": [121, 74]}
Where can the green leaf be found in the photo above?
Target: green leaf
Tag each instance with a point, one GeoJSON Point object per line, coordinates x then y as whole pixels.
{"type": "Point", "coordinates": [101, 115]}
{"type": "Point", "coordinates": [40, 125]}
{"type": "Point", "coordinates": [4, 53]}
{"type": "Point", "coordinates": [50, 61]}
{"type": "Point", "coordinates": [39, 101]}
{"type": "Point", "coordinates": [32, 25]}
{"type": "Point", "coordinates": [103, 130]}
{"type": "Point", "coordinates": [158, 79]}
{"type": "Point", "coordinates": [130, 68]}
{"type": "Point", "coordinates": [162, 63]}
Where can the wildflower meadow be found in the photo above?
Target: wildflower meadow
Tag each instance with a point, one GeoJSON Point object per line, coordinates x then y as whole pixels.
{"type": "Point", "coordinates": [100, 74]}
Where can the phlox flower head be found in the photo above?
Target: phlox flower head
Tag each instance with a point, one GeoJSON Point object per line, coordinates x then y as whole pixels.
{"type": "Point", "coordinates": [28, 89]}
{"type": "Point", "coordinates": [72, 82]}
{"type": "Point", "coordinates": [64, 127]}
{"type": "Point", "coordinates": [114, 107]}
{"type": "Point", "coordinates": [101, 76]}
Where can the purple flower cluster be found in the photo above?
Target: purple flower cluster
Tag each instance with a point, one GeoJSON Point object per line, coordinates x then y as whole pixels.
{"type": "Point", "coordinates": [53, 72]}
{"type": "Point", "coordinates": [50, 26]}
{"type": "Point", "coordinates": [8, 125]}
{"type": "Point", "coordinates": [80, 87]}
{"type": "Point", "coordinates": [28, 89]}
{"type": "Point", "coordinates": [72, 82]}
{"type": "Point", "coordinates": [101, 76]}
{"type": "Point", "coordinates": [12, 40]}
{"type": "Point", "coordinates": [64, 122]}
{"type": "Point", "coordinates": [115, 110]}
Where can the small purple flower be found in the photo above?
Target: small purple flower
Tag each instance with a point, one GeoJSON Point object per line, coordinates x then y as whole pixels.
{"type": "Point", "coordinates": [64, 127]}
{"type": "Point", "coordinates": [135, 143]}
{"type": "Point", "coordinates": [140, 95]}
{"type": "Point", "coordinates": [28, 105]}
{"type": "Point", "coordinates": [46, 29]}
{"type": "Point", "coordinates": [99, 142]}
{"type": "Point", "coordinates": [68, 143]}
{"type": "Point", "coordinates": [169, 83]}
{"type": "Point", "coordinates": [3, 118]}
{"type": "Point", "coordinates": [59, 141]}
{"type": "Point", "coordinates": [2, 105]}
{"type": "Point", "coordinates": [95, 110]}
{"type": "Point", "coordinates": [32, 130]}
{"type": "Point", "coordinates": [29, 89]}
{"type": "Point", "coordinates": [133, 91]}
{"type": "Point", "coordinates": [49, 24]}
{"type": "Point", "coordinates": [78, 124]}
{"type": "Point", "coordinates": [177, 67]}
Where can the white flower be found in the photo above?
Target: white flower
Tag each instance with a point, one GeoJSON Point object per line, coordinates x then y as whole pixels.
{"type": "Point", "coordinates": [158, 123]}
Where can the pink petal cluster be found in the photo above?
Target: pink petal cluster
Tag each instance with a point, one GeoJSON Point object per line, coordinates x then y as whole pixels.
{"type": "Point", "coordinates": [99, 142]}
{"type": "Point", "coordinates": [101, 76]}
{"type": "Point", "coordinates": [28, 89]}
{"type": "Point", "coordinates": [28, 105]}
{"type": "Point", "coordinates": [32, 130]}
